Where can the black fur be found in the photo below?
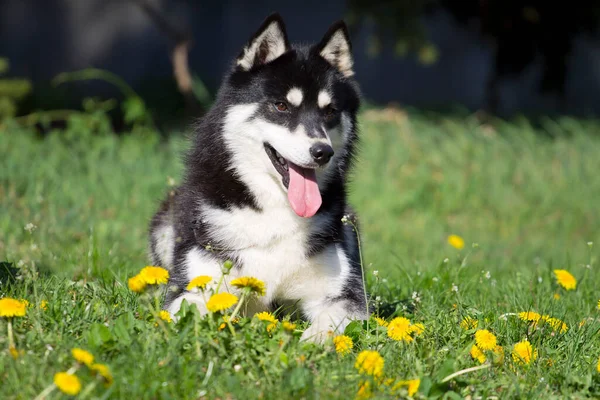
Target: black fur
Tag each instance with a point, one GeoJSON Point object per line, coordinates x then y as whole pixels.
{"type": "Point", "coordinates": [208, 174]}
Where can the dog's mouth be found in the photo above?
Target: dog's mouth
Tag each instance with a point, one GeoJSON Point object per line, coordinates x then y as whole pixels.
{"type": "Point", "coordinates": [301, 183]}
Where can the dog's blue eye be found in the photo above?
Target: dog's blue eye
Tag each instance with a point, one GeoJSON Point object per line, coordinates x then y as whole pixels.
{"type": "Point", "coordinates": [281, 106]}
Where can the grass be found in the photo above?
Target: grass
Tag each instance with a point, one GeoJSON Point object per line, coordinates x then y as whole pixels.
{"type": "Point", "coordinates": [524, 198]}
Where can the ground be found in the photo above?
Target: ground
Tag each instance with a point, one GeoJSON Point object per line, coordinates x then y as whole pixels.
{"type": "Point", "coordinates": [74, 213]}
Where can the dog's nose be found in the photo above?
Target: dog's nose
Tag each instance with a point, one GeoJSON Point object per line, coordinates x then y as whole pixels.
{"type": "Point", "coordinates": [321, 153]}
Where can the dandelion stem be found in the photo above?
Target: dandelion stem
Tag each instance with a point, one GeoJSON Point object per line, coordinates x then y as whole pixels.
{"type": "Point", "coordinates": [362, 269]}
{"type": "Point", "coordinates": [44, 393]}
{"type": "Point", "coordinates": [11, 339]}
{"type": "Point", "coordinates": [464, 371]}
{"type": "Point", "coordinates": [236, 310]}
{"type": "Point", "coordinates": [88, 389]}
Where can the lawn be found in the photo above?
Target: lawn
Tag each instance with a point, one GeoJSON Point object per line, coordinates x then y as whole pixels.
{"type": "Point", "coordinates": [74, 212]}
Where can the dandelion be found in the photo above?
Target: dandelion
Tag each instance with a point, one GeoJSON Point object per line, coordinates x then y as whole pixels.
{"type": "Point", "coordinates": [198, 282]}
{"type": "Point", "coordinates": [288, 326]}
{"type": "Point", "coordinates": [412, 386]}
{"type": "Point", "coordinates": [165, 316]}
{"type": "Point", "coordinates": [598, 366]}
{"type": "Point", "coordinates": [44, 305]}
{"type": "Point", "coordinates": [369, 362]}
{"type": "Point", "coordinates": [456, 241]}
{"type": "Point", "coordinates": [417, 328]}
{"type": "Point", "coordinates": [154, 275]}
{"type": "Point", "coordinates": [255, 285]}
{"type": "Point", "coordinates": [523, 353]}
{"type": "Point", "coordinates": [82, 356]}
{"type": "Point", "coordinates": [469, 323]}
{"type": "Point", "coordinates": [136, 284]}
{"type": "Point", "coordinates": [343, 344]}
{"type": "Point", "coordinates": [380, 321]}
{"type": "Point", "coordinates": [598, 305]}
{"type": "Point", "coordinates": [67, 383]}
{"type": "Point", "coordinates": [565, 279]}
{"type": "Point", "coordinates": [477, 354]}
{"type": "Point", "coordinates": [268, 317]}
{"type": "Point", "coordinates": [485, 339]}
{"type": "Point", "coordinates": [555, 323]}
{"type": "Point", "coordinates": [364, 390]}
{"type": "Point", "coordinates": [221, 301]}
{"type": "Point", "coordinates": [556, 296]}
{"type": "Point", "coordinates": [399, 329]}
{"type": "Point", "coordinates": [12, 307]}
{"type": "Point", "coordinates": [531, 316]}
{"type": "Point", "coordinates": [102, 371]}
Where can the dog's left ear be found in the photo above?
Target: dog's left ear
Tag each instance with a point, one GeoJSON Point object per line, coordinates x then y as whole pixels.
{"type": "Point", "coordinates": [335, 47]}
{"type": "Point", "coordinates": [268, 43]}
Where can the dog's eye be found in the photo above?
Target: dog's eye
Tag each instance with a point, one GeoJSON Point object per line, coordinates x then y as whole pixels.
{"type": "Point", "coordinates": [330, 112]}
{"type": "Point", "coordinates": [281, 106]}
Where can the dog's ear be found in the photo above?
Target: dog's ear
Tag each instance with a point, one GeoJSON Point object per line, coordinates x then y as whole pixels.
{"type": "Point", "coordinates": [335, 47]}
{"type": "Point", "coordinates": [269, 42]}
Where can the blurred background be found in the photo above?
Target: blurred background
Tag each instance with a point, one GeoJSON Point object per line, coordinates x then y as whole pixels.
{"type": "Point", "coordinates": [497, 56]}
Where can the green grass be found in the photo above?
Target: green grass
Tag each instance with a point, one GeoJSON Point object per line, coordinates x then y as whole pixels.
{"type": "Point", "coordinates": [524, 199]}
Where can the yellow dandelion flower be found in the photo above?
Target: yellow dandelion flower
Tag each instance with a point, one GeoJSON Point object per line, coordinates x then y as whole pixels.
{"type": "Point", "coordinates": [412, 386]}
{"type": "Point", "coordinates": [549, 362]}
{"type": "Point", "coordinates": [565, 279]}
{"type": "Point", "coordinates": [364, 390]}
{"type": "Point", "coordinates": [556, 296]}
{"type": "Point", "coordinates": [104, 372]}
{"type": "Point", "coordinates": [598, 305]}
{"type": "Point", "coordinates": [165, 316]}
{"type": "Point", "coordinates": [343, 344]}
{"type": "Point", "coordinates": [255, 285]}
{"type": "Point", "coordinates": [221, 301]}
{"type": "Point", "coordinates": [267, 316]}
{"type": "Point", "coordinates": [582, 323]}
{"type": "Point", "coordinates": [44, 305]}
{"type": "Point", "coordinates": [485, 339]}
{"type": "Point", "coordinates": [154, 275]}
{"type": "Point", "coordinates": [477, 354]}
{"type": "Point", "coordinates": [598, 365]}
{"type": "Point", "coordinates": [369, 362]}
{"type": "Point", "coordinates": [136, 284]}
{"type": "Point", "coordinates": [400, 329]}
{"type": "Point", "coordinates": [523, 353]}
{"type": "Point", "coordinates": [82, 356]}
{"type": "Point", "coordinates": [555, 323]}
{"type": "Point", "coordinates": [14, 353]}
{"type": "Point", "coordinates": [12, 307]}
{"type": "Point", "coordinates": [417, 328]}
{"type": "Point", "coordinates": [199, 282]}
{"type": "Point", "coordinates": [530, 316]}
{"type": "Point", "coordinates": [469, 323]}
{"type": "Point", "coordinates": [67, 383]}
{"type": "Point", "coordinates": [456, 241]}
{"type": "Point", "coordinates": [288, 326]}
{"type": "Point", "coordinates": [383, 322]}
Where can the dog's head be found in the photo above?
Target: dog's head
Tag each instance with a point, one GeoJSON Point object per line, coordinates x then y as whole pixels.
{"type": "Point", "coordinates": [291, 109]}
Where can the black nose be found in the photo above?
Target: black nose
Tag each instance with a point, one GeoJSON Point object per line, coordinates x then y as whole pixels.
{"type": "Point", "coordinates": [321, 153]}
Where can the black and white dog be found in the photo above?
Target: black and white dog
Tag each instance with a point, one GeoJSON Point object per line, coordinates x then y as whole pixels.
{"type": "Point", "coordinates": [265, 184]}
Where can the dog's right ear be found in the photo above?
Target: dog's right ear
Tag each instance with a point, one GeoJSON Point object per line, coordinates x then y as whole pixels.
{"type": "Point", "coordinates": [267, 44]}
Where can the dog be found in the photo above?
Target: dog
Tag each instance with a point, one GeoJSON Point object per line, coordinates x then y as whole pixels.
{"type": "Point", "coordinates": [265, 184]}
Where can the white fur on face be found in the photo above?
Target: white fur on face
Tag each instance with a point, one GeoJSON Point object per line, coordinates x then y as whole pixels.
{"type": "Point", "coordinates": [324, 99]}
{"type": "Point", "coordinates": [272, 37]}
{"type": "Point", "coordinates": [295, 97]}
{"type": "Point", "coordinates": [337, 53]}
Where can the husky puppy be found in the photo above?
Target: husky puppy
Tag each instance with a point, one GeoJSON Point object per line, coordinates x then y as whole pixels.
{"type": "Point", "coordinates": [265, 184]}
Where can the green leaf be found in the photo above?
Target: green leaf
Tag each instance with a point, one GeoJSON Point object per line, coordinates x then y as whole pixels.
{"type": "Point", "coordinates": [98, 335]}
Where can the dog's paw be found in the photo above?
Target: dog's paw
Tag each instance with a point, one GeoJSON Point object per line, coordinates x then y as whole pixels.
{"type": "Point", "coordinates": [317, 335]}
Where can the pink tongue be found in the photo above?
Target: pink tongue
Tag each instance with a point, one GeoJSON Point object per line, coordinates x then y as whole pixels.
{"type": "Point", "coordinates": [303, 191]}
